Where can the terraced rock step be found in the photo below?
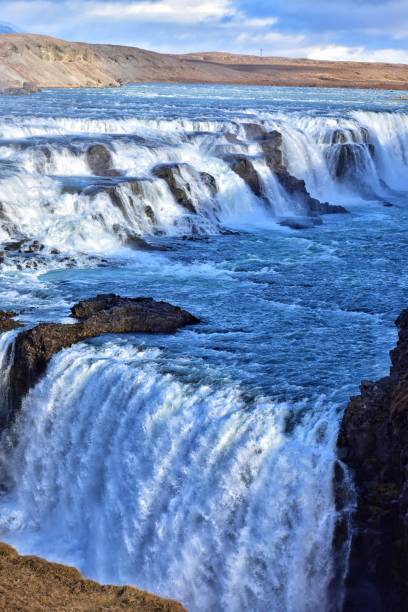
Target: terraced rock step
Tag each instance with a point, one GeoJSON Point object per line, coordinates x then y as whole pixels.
{"type": "Point", "coordinates": [104, 314]}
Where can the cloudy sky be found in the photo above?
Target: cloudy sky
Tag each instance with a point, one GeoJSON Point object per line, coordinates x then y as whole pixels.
{"type": "Point", "coordinates": [374, 30]}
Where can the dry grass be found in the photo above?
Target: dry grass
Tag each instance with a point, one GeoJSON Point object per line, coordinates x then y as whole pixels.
{"type": "Point", "coordinates": [32, 584]}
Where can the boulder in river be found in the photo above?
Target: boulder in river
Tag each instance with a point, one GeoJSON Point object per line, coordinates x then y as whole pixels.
{"type": "Point", "coordinates": [105, 314]}
{"type": "Point", "coordinates": [100, 161]}
{"type": "Point", "coordinates": [373, 444]}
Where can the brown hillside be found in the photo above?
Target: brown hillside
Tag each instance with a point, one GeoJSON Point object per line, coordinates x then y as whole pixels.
{"type": "Point", "coordinates": [49, 62]}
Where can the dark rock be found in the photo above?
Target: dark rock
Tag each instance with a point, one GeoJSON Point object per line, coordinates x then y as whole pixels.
{"type": "Point", "coordinates": [324, 208]}
{"type": "Point", "coordinates": [24, 90]}
{"type": "Point", "coordinates": [271, 145]}
{"type": "Point", "coordinates": [254, 131]}
{"type": "Point", "coordinates": [105, 314]}
{"type": "Point", "coordinates": [100, 161]}
{"type": "Point", "coordinates": [373, 444]}
{"type": "Point", "coordinates": [7, 321]}
{"type": "Point", "coordinates": [149, 212]}
{"type": "Point", "coordinates": [348, 159]}
{"type": "Point", "coordinates": [140, 244]}
{"type": "Point", "coordinates": [181, 190]}
{"type": "Point", "coordinates": [348, 135]}
{"type": "Point", "coordinates": [244, 167]}
{"type": "Point", "coordinates": [210, 182]}
{"type": "Point", "coordinates": [296, 188]}
{"type": "Point", "coordinates": [232, 139]}
{"type": "Point", "coordinates": [298, 224]}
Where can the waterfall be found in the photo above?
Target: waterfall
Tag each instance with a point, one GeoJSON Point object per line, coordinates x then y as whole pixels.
{"type": "Point", "coordinates": [192, 491]}
{"type": "Point", "coordinates": [50, 192]}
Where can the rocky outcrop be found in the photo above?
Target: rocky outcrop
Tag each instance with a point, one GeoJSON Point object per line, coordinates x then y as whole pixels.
{"type": "Point", "coordinates": [171, 174]}
{"type": "Point", "coordinates": [244, 167]}
{"type": "Point", "coordinates": [179, 178]}
{"type": "Point", "coordinates": [373, 444]}
{"type": "Point", "coordinates": [209, 181]}
{"type": "Point", "coordinates": [270, 143]}
{"type": "Point", "coordinates": [105, 314]}
{"type": "Point", "coordinates": [25, 89]}
{"type": "Point", "coordinates": [7, 321]}
{"type": "Point", "coordinates": [31, 583]}
{"type": "Point", "coordinates": [100, 161]}
{"type": "Point", "coordinates": [272, 146]}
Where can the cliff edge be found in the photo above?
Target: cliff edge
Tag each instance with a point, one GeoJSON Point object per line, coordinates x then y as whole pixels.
{"type": "Point", "coordinates": [373, 443]}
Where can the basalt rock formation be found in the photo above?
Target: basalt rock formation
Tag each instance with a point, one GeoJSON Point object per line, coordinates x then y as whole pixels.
{"type": "Point", "coordinates": [105, 314]}
{"type": "Point", "coordinates": [271, 144]}
{"type": "Point", "coordinates": [373, 444]}
{"type": "Point", "coordinates": [244, 167]}
{"type": "Point", "coordinates": [7, 321]}
{"type": "Point", "coordinates": [31, 583]}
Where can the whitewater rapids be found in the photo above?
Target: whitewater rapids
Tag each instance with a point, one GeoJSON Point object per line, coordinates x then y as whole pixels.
{"type": "Point", "coordinates": [197, 465]}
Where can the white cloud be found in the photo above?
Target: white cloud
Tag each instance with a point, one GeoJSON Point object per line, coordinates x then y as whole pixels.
{"type": "Point", "coordinates": [357, 54]}
{"type": "Point", "coordinates": [259, 23]}
{"type": "Point", "coordinates": [170, 11]}
{"type": "Point", "coordinates": [269, 38]}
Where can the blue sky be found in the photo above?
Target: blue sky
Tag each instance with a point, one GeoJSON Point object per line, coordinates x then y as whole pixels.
{"type": "Point", "coordinates": [370, 30]}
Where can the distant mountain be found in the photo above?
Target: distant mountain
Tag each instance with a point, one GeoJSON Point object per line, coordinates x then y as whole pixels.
{"type": "Point", "coordinates": [8, 28]}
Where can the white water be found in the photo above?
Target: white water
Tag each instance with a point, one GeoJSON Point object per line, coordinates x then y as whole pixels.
{"type": "Point", "coordinates": [35, 204]}
{"type": "Point", "coordinates": [190, 491]}
{"type": "Point", "coordinates": [199, 491]}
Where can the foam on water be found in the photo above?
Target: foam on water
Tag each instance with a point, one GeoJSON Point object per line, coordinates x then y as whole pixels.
{"type": "Point", "coordinates": [110, 447]}
{"type": "Point", "coordinates": [202, 470]}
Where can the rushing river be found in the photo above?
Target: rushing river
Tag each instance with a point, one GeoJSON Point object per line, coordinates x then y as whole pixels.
{"type": "Point", "coordinates": [198, 465]}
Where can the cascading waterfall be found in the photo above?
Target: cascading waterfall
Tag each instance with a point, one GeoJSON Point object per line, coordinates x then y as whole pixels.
{"type": "Point", "coordinates": [339, 158]}
{"type": "Point", "coordinates": [189, 490]}
{"type": "Point", "coordinates": [195, 471]}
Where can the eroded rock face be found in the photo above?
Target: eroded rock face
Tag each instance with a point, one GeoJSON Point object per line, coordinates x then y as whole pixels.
{"type": "Point", "coordinates": [210, 182]}
{"type": "Point", "coordinates": [181, 190]}
{"type": "Point", "coordinates": [100, 161]}
{"type": "Point", "coordinates": [271, 143]}
{"type": "Point", "coordinates": [105, 314]}
{"type": "Point", "coordinates": [373, 443]}
{"type": "Point", "coordinates": [174, 176]}
{"type": "Point", "coordinates": [244, 167]}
